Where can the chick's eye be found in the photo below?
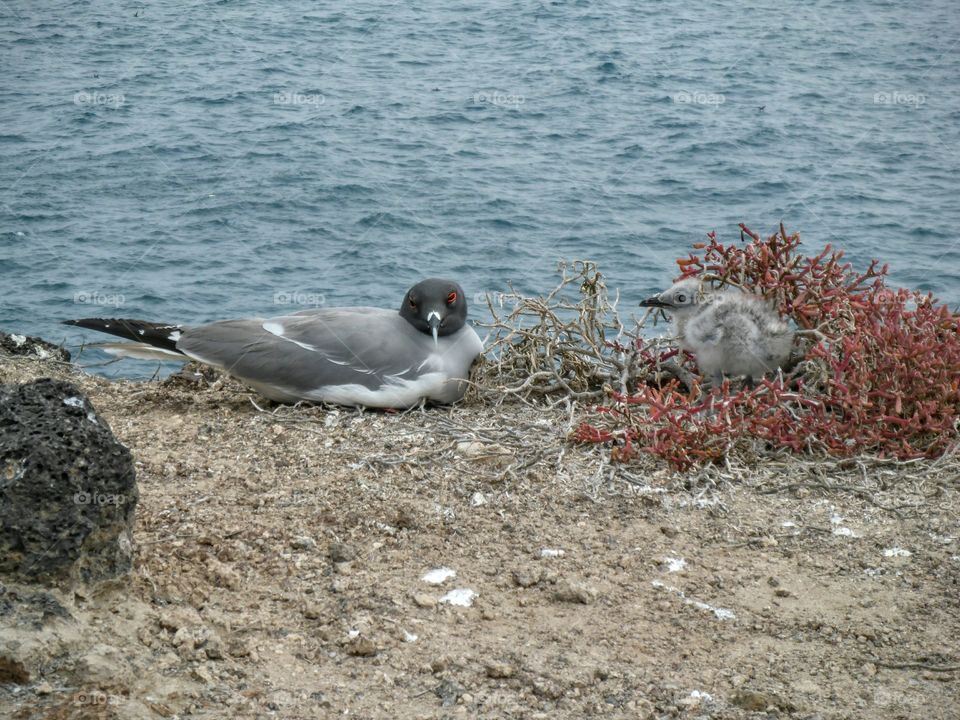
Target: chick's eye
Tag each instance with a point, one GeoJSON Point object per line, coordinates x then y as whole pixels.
{"type": "Point", "coordinates": [451, 298]}
{"type": "Point", "coordinates": [681, 298]}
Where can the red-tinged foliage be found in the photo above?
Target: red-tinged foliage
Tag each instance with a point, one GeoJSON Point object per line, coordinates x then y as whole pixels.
{"type": "Point", "coordinates": [588, 433]}
{"type": "Point", "coordinates": [881, 374]}
{"type": "Point", "coordinates": [893, 383]}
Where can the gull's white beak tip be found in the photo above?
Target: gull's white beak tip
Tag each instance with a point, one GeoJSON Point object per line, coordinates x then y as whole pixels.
{"type": "Point", "coordinates": [433, 320]}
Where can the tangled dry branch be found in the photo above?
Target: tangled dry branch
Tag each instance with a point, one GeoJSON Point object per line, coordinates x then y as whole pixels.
{"type": "Point", "coordinates": [570, 344]}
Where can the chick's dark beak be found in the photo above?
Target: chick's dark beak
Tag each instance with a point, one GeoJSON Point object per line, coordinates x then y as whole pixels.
{"type": "Point", "coordinates": [654, 302]}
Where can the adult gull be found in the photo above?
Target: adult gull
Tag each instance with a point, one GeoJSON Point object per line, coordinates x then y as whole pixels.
{"type": "Point", "coordinates": [359, 356]}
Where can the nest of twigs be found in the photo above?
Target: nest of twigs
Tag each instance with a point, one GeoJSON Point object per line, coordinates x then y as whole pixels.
{"type": "Point", "coordinates": [569, 345]}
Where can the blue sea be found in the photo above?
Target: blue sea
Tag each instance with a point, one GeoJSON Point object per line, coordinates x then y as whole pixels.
{"type": "Point", "coordinates": [191, 161]}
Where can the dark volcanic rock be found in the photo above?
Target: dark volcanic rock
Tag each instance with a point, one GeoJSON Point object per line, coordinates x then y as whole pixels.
{"type": "Point", "coordinates": [32, 346]}
{"type": "Point", "coordinates": [29, 607]}
{"type": "Point", "coordinates": [67, 487]}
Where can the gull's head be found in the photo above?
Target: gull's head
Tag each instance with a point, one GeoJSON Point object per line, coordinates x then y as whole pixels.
{"type": "Point", "coordinates": [435, 307]}
{"type": "Point", "coordinates": [680, 299]}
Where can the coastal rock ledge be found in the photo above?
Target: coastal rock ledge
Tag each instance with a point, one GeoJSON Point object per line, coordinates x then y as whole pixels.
{"type": "Point", "coordinates": [67, 488]}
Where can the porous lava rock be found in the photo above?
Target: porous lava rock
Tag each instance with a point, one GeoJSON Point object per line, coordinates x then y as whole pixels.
{"type": "Point", "coordinates": [67, 488]}
{"type": "Point", "coordinates": [29, 346]}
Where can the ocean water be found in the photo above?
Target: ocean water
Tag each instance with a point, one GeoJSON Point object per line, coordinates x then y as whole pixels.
{"type": "Point", "coordinates": [191, 161]}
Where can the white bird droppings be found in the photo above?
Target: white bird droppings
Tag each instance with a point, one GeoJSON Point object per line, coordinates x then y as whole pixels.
{"type": "Point", "coordinates": [845, 532]}
{"type": "Point", "coordinates": [675, 564]}
{"type": "Point", "coordinates": [439, 575]}
{"type": "Point", "coordinates": [897, 552]}
{"type": "Point", "coordinates": [18, 340]}
{"type": "Point", "coordinates": [75, 401]}
{"type": "Point", "coordinates": [409, 637]}
{"type": "Point", "coordinates": [718, 613]}
{"type": "Point", "coordinates": [705, 502]}
{"type": "Point", "coordinates": [551, 553]}
{"type": "Point", "coordinates": [478, 499]}
{"type": "Point", "coordinates": [839, 529]}
{"type": "Point", "coordinates": [462, 597]}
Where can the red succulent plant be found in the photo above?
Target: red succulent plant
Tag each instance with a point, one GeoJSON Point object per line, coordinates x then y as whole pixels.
{"type": "Point", "coordinates": [877, 369]}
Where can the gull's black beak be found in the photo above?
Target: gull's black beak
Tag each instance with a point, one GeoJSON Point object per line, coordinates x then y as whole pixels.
{"type": "Point", "coordinates": [433, 321]}
{"type": "Point", "coordinates": [654, 302]}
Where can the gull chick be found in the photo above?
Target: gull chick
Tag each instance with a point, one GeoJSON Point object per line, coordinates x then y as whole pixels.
{"type": "Point", "coordinates": [729, 332]}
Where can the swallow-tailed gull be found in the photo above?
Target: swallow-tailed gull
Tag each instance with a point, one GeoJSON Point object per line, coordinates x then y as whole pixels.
{"type": "Point", "coordinates": [729, 332]}
{"type": "Point", "coordinates": [360, 356]}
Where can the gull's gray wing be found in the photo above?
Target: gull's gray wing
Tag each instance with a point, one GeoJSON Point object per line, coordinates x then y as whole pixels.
{"type": "Point", "coordinates": [291, 356]}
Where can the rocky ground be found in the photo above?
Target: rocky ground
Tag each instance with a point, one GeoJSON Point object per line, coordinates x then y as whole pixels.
{"type": "Point", "coordinates": [280, 556]}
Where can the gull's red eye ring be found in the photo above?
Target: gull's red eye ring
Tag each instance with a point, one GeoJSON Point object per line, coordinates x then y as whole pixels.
{"type": "Point", "coordinates": [413, 304]}
{"type": "Point", "coordinates": [451, 298]}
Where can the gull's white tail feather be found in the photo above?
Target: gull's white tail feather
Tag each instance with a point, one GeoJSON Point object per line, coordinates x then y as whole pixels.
{"type": "Point", "coordinates": [139, 351]}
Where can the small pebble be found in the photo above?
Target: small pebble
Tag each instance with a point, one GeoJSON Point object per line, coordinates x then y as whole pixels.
{"type": "Point", "coordinates": [575, 592]}
{"type": "Point", "coordinates": [303, 543]}
{"type": "Point", "coordinates": [361, 647]}
{"type": "Point", "coordinates": [341, 552]}
{"type": "Point", "coordinates": [313, 612]}
{"type": "Point", "coordinates": [499, 670]}
{"type": "Point", "coordinates": [424, 600]}
{"type": "Point", "coordinates": [525, 578]}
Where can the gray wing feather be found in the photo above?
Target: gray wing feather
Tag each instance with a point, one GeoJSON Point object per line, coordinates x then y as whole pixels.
{"type": "Point", "coordinates": [313, 348]}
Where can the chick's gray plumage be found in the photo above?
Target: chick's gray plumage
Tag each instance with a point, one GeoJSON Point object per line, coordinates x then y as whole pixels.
{"type": "Point", "coordinates": [728, 331]}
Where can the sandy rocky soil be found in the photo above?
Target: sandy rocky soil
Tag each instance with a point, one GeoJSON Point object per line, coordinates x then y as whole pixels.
{"type": "Point", "coordinates": [280, 557]}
